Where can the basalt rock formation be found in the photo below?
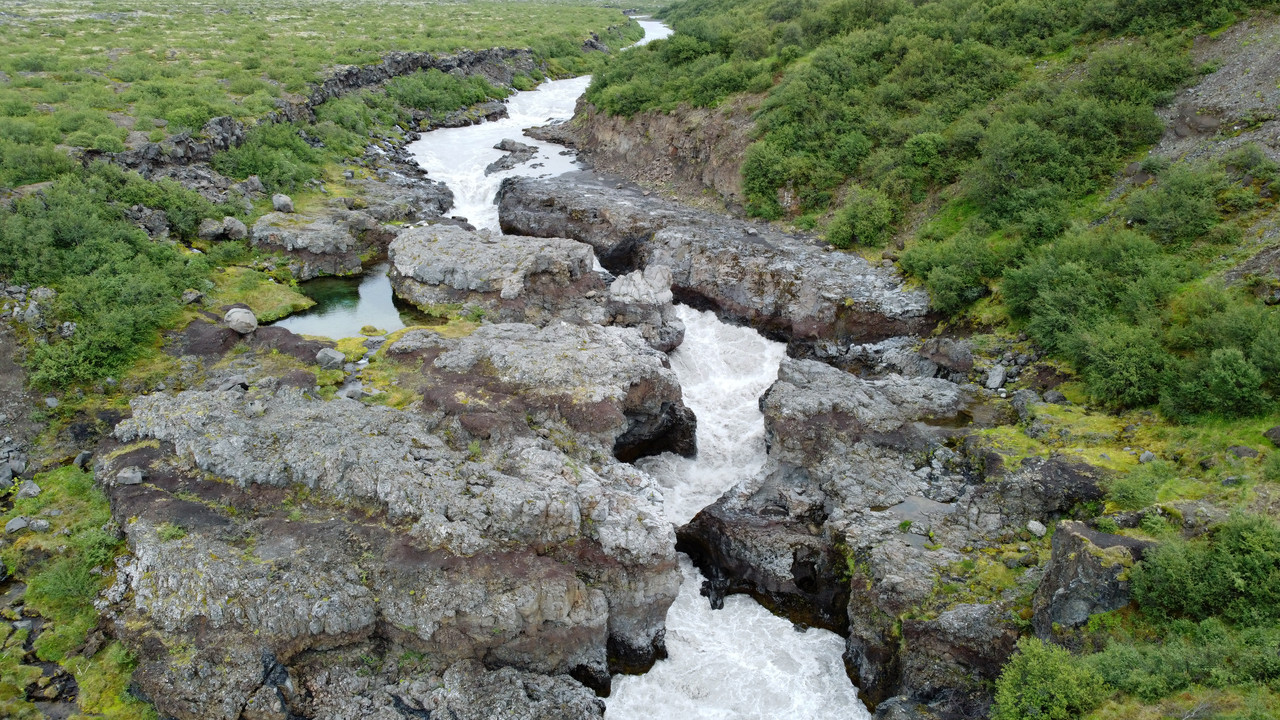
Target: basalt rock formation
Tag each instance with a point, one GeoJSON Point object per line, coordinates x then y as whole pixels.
{"type": "Point", "coordinates": [515, 279]}
{"type": "Point", "coordinates": [862, 501]}
{"type": "Point", "coordinates": [786, 286]}
{"type": "Point", "coordinates": [489, 532]}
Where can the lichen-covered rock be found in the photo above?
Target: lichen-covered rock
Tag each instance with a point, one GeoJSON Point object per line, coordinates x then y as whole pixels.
{"type": "Point", "coordinates": [514, 556]}
{"type": "Point", "coordinates": [1087, 574]}
{"type": "Point", "coordinates": [282, 203]}
{"type": "Point", "coordinates": [516, 279]}
{"type": "Point", "coordinates": [241, 320]}
{"type": "Point", "coordinates": [606, 383]}
{"type": "Point", "coordinates": [321, 244]}
{"type": "Point", "coordinates": [643, 300]}
{"type": "Point", "coordinates": [962, 648]}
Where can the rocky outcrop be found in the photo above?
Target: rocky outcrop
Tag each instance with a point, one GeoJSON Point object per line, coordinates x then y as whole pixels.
{"type": "Point", "coordinates": [1087, 574]}
{"type": "Point", "coordinates": [326, 243]}
{"type": "Point", "coordinates": [522, 550]}
{"type": "Point", "coordinates": [498, 65]}
{"type": "Point", "coordinates": [786, 286]}
{"type": "Point", "coordinates": [515, 279]}
{"type": "Point", "coordinates": [689, 150]}
{"type": "Point", "coordinates": [868, 495]}
{"type": "Point", "coordinates": [529, 280]}
{"type": "Point", "coordinates": [517, 153]}
{"type": "Point", "coordinates": [605, 384]}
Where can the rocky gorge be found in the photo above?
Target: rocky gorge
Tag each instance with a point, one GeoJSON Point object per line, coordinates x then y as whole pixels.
{"type": "Point", "coordinates": [464, 519]}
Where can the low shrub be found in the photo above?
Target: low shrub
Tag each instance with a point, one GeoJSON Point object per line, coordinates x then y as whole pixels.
{"type": "Point", "coordinates": [1045, 682]}
{"type": "Point", "coordinates": [1233, 573]}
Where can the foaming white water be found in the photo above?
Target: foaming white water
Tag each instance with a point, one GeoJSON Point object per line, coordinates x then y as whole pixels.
{"type": "Point", "coordinates": [653, 30]}
{"type": "Point", "coordinates": [741, 662]}
{"type": "Point", "coordinates": [458, 156]}
{"type": "Point", "coordinates": [723, 370]}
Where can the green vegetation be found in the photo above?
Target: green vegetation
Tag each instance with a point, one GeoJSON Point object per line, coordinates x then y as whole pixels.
{"type": "Point", "coordinates": [170, 73]}
{"type": "Point", "coordinates": [1206, 620]}
{"type": "Point", "coordinates": [1009, 118]}
{"type": "Point", "coordinates": [114, 282]}
{"type": "Point", "coordinates": [63, 571]}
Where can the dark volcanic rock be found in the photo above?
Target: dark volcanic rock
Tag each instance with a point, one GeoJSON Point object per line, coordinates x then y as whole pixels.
{"type": "Point", "coordinates": [786, 286]}
{"type": "Point", "coordinates": [1087, 574]}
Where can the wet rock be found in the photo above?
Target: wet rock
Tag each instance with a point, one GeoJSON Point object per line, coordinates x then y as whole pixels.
{"type": "Point", "coordinates": [517, 153]}
{"type": "Point", "coordinates": [241, 320]}
{"type": "Point", "coordinates": [643, 300]}
{"type": "Point", "coordinates": [282, 203]}
{"type": "Point", "coordinates": [837, 444]}
{"type": "Point", "coordinates": [903, 708]}
{"type": "Point", "coordinates": [1088, 573]}
{"type": "Point", "coordinates": [330, 359]}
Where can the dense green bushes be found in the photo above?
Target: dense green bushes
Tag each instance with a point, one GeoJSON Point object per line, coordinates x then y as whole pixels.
{"type": "Point", "coordinates": [1208, 618]}
{"type": "Point", "coordinates": [114, 282]}
{"type": "Point", "coordinates": [439, 92]}
{"type": "Point", "coordinates": [1233, 574]}
{"type": "Point", "coordinates": [277, 153]}
{"type": "Point", "coordinates": [1044, 682]}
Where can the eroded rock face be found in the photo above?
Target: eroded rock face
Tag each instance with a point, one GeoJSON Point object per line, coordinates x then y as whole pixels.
{"type": "Point", "coordinates": [866, 497]}
{"type": "Point", "coordinates": [1087, 574]}
{"type": "Point", "coordinates": [516, 279]}
{"type": "Point", "coordinates": [784, 285]}
{"type": "Point", "coordinates": [323, 243]}
{"type": "Point", "coordinates": [605, 383]}
{"type": "Point", "coordinates": [499, 543]}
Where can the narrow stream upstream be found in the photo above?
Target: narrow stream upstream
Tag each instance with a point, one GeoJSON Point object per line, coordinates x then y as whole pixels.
{"type": "Point", "coordinates": [741, 662]}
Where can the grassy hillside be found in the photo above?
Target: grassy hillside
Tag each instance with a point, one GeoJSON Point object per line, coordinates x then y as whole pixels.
{"type": "Point", "coordinates": [1012, 156]}
{"type": "Point", "coordinates": [982, 133]}
{"type": "Point", "coordinates": [113, 74]}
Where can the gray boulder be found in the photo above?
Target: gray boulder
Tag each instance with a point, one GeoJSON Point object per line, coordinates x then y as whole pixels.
{"type": "Point", "coordinates": [16, 525]}
{"type": "Point", "coordinates": [1087, 574]}
{"type": "Point", "coordinates": [282, 203]}
{"type": "Point", "coordinates": [234, 229]}
{"type": "Point", "coordinates": [330, 359]}
{"type": "Point", "coordinates": [27, 489]}
{"type": "Point", "coordinates": [241, 320]}
{"type": "Point", "coordinates": [210, 229]}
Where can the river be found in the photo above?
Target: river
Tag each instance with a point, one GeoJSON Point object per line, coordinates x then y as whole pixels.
{"type": "Point", "coordinates": [741, 662]}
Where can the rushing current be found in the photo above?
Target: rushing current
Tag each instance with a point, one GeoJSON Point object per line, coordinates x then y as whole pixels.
{"type": "Point", "coordinates": [741, 662]}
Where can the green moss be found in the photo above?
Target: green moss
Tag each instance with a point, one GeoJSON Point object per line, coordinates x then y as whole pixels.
{"type": "Point", "coordinates": [269, 300]}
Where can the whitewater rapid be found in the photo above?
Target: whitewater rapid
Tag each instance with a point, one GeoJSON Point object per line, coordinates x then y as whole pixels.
{"type": "Point", "coordinates": [741, 662]}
